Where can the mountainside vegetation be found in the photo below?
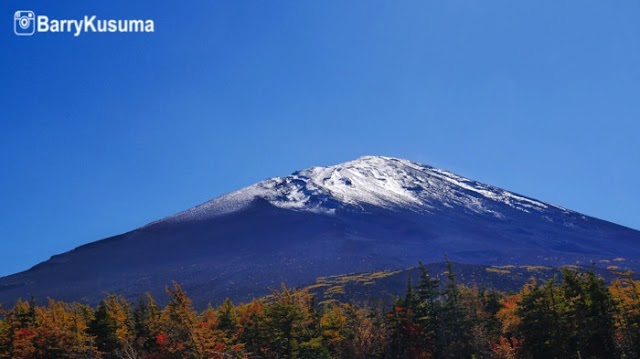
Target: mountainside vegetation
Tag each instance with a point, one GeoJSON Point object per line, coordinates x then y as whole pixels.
{"type": "Point", "coordinates": [574, 315]}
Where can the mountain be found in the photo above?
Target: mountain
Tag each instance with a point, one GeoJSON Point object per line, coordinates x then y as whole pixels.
{"type": "Point", "coordinates": [374, 213]}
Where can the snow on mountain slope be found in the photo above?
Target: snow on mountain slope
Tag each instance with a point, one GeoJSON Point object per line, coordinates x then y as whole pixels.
{"type": "Point", "coordinates": [386, 182]}
{"type": "Point", "coordinates": [370, 214]}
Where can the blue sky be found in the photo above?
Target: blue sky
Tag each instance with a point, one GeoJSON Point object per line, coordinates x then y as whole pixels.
{"type": "Point", "coordinates": [103, 133]}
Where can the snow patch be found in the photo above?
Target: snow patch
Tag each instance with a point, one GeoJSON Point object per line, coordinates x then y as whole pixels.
{"type": "Point", "coordinates": [386, 182]}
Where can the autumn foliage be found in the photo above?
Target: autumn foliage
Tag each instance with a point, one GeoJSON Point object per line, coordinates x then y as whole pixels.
{"type": "Point", "coordinates": [577, 316]}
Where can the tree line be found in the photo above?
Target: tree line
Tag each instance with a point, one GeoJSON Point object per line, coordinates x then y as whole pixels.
{"type": "Point", "coordinates": [575, 316]}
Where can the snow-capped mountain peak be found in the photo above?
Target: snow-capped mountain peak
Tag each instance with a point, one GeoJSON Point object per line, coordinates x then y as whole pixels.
{"type": "Point", "coordinates": [359, 216]}
{"type": "Point", "coordinates": [379, 181]}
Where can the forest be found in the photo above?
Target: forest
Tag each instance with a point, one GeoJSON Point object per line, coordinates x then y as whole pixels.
{"type": "Point", "coordinates": [575, 315]}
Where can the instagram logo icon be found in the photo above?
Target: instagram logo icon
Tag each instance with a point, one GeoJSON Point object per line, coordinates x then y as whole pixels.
{"type": "Point", "coordinates": [24, 23]}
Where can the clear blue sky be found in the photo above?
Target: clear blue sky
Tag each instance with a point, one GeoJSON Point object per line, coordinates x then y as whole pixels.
{"type": "Point", "coordinates": [106, 132]}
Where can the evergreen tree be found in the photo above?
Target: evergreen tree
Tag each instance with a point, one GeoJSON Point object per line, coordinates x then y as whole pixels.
{"type": "Point", "coordinates": [429, 308]}
{"type": "Point", "coordinates": [454, 329]}
{"type": "Point", "coordinates": [592, 314]}
{"type": "Point", "coordinates": [228, 319]}
{"type": "Point", "coordinates": [538, 322]}
{"type": "Point", "coordinates": [291, 321]}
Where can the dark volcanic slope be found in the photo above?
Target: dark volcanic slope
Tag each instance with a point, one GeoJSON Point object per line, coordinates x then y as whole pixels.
{"type": "Point", "coordinates": [370, 214]}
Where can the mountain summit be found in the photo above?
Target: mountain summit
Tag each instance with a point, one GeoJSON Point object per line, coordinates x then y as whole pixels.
{"type": "Point", "coordinates": [373, 213]}
{"type": "Point", "coordinates": [371, 181]}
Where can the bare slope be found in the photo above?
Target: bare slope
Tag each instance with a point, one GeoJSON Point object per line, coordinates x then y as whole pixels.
{"type": "Point", "coordinates": [374, 213]}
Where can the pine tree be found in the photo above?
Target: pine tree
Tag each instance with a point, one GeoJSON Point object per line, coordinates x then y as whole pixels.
{"type": "Point", "coordinates": [599, 325]}
{"type": "Point", "coordinates": [428, 310]}
{"type": "Point", "coordinates": [454, 328]}
{"type": "Point", "coordinates": [292, 322]}
{"type": "Point", "coordinates": [228, 319]}
{"type": "Point", "coordinates": [538, 322]}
